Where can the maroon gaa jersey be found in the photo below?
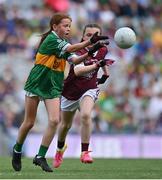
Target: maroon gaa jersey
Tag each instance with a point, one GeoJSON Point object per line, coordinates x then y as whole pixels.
{"type": "Point", "coordinates": [76, 86]}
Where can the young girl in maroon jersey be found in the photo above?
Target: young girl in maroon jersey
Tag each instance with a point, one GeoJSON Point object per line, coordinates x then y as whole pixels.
{"type": "Point", "coordinates": [80, 92]}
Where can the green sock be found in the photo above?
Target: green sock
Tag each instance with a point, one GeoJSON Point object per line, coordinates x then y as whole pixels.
{"type": "Point", "coordinates": [18, 147]}
{"type": "Point", "coordinates": [42, 151]}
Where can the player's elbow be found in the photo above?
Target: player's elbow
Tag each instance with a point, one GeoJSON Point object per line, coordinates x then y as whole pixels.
{"type": "Point", "coordinates": [77, 73]}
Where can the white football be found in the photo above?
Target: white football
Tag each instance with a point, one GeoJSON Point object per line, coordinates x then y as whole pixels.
{"type": "Point", "coordinates": [125, 37]}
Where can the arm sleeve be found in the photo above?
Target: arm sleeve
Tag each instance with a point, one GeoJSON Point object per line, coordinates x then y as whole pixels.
{"type": "Point", "coordinates": [101, 53]}
{"type": "Point", "coordinates": [70, 56]}
{"type": "Point", "coordinates": [54, 45]}
{"type": "Point", "coordinates": [80, 65]}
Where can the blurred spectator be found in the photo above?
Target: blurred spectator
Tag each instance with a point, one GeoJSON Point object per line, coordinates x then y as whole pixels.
{"type": "Point", "coordinates": [58, 5]}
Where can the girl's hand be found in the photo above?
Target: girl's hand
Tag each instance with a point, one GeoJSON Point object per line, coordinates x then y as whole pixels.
{"type": "Point", "coordinates": [96, 38]}
{"type": "Point", "coordinates": [97, 46]}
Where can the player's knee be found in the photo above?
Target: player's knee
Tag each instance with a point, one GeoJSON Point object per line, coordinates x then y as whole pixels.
{"type": "Point", "coordinates": [53, 122]}
{"type": "Point", "coordinates": [85, 119]}
{"type": "Point", "coordinates": [85, 116]}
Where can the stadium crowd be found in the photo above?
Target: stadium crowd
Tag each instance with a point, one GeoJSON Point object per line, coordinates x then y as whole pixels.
{"type": "Point", "coordinates": [131, 100]}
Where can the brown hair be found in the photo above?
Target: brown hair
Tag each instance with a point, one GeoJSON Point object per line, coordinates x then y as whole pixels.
{"type": "Point", "coordinates": [56, 19]}
{"type": "Point", "coordinates": [91, 26]}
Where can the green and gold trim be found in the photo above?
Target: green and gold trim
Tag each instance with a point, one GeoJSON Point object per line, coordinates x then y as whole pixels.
{"type": "Point", "coordinates": [51, 61]}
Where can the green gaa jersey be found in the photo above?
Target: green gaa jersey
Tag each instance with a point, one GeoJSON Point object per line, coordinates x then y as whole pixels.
{"type": "Point", "coordinates": [46, 77]}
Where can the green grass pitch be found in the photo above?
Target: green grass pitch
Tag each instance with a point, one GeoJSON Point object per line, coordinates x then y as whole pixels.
{"type": "Point", "coordinates": [73, 169]}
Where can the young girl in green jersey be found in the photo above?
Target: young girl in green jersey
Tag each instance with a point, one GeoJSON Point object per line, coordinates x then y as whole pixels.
{"type": "Point", "coordinates": [45, 82]}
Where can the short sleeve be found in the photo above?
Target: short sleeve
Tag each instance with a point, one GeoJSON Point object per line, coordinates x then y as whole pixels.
{"type": "Point", "coordinates": [70, 57]}
{"type": "Point", "coordinates": [54, 45]}
{"type": "Point", "coordinates": [80, 65]}
{"type": "Point", "coordinates": [102, 52]}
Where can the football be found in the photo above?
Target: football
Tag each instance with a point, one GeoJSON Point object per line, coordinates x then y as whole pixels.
{"type": "Point", "coordinates": [125, 37]}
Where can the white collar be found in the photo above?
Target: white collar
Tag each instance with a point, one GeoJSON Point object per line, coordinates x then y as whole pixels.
{"type": "Point", "coordinates": [55, 33]}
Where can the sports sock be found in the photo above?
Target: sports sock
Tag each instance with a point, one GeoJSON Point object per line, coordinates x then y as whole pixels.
{"type": "Point", "coordinates": [18, 147]}
{"type": "Point", "coordinates": [85, 146]}
{"type": "Point", "coordinates": [60, 144]}
{"type": "Point", "coordinates": [42, 151]}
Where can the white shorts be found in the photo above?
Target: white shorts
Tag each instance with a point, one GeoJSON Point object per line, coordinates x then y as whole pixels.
{"type": "Point", "coordinates": [72, 105]}
{"type": "Point", "coordinates": [29, 94]}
